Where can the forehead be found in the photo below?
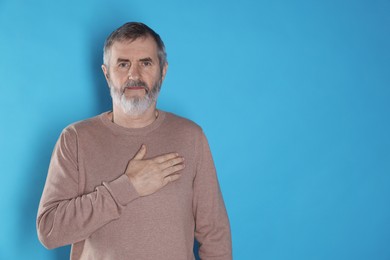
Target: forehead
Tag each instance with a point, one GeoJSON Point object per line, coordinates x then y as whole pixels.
{"type": "Point", "coordinates": [143, 47]}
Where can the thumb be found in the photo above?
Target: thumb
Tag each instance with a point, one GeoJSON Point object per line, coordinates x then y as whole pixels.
{"type": "Point", "coordinates": [141, 153]}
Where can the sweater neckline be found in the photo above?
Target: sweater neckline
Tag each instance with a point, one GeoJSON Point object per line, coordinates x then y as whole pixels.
{"type": "Point", "coordinates": [132, 131]}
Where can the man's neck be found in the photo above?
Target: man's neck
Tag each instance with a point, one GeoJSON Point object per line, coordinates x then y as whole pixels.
{"type": "Point", "coordinates": [122, 119]}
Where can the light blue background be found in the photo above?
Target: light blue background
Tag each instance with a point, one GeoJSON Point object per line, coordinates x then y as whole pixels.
{"type": "Point", "coordinates": [293, 96]}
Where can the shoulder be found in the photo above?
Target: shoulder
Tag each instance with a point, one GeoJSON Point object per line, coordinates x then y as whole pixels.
{"type": "Point", "coordinates": [179, 123]}
{"type": "Point", "coordinates": [82, 126]}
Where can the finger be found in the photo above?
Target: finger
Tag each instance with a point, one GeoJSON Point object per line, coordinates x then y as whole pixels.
{"type": "Point", "coordinates": [141, 153]}
{"type": "Point", "coordinates": [171, 162]}
{"type": "Point", "coordinates": [165, 157]}
{"type": "Point", "coordinates": [170, 178]}
{"type": "Point", "coordinates": [170, 170]}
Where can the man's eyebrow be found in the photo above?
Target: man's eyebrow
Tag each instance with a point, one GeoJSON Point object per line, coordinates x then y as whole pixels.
{"type": "Point", "coordinates": [146, 59]}
{"type": "Point", "coordinates": [119, 60]}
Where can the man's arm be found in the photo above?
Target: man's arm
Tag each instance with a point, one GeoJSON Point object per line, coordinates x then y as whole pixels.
{"type": "Point", "coordinates": [66, 217]}
{"type": "Point", "coordinates": [211, 220]}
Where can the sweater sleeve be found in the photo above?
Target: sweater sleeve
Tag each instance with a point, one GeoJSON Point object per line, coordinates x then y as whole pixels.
{"type": "Point", "coordinates": [65, 216]}
{"type": "Point", "coordinates": [212, 229]}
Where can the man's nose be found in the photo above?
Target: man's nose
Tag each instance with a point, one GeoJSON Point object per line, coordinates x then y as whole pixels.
{"type": "Point", "coordinates": [134, 72]}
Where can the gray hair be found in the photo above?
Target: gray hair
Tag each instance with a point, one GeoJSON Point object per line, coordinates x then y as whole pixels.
{"type": "Point", "coordinates": [130, 32]}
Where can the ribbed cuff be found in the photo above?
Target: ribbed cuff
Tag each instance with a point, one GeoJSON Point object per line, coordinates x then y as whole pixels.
{"type": "Point", "coordinates": [122, 190]}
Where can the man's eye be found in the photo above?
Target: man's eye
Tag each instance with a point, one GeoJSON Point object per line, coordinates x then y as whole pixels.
{"type": "Point", "coordinates": [146, 63]}
{"type": "Point", "coordinates": [123, 65]}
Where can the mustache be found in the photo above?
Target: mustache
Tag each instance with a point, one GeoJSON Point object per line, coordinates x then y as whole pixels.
{"type": "Point", "coordinates": [135, 83]}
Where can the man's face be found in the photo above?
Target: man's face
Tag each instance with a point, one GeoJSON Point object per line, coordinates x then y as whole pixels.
{"type": "Point", "coordinates": [134, 75]}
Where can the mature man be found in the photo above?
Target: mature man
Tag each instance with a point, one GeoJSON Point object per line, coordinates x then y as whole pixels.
{"type": "Point", "coordinates": [137, 182]}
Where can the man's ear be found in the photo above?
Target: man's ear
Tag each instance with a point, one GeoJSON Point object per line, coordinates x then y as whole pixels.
{"type": "Point", "coordinates": [105, 72]}
{"type": "Point", "coordinates": [164, 71]}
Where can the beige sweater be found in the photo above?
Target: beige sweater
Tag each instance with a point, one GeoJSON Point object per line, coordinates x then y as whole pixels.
{"type": "Point", "coordinates": [89, 202]}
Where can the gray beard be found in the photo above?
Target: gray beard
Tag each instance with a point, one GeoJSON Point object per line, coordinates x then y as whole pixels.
{"type": "Point", "coordinates": [134, 106]}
